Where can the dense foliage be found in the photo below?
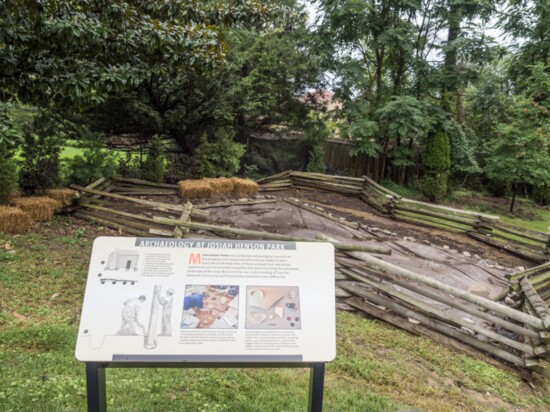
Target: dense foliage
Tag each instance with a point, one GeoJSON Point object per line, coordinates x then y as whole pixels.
{"type": "Point", "coordinates": [41, 166]}
{"type": "Point", "coordinates": [420, 87]}
{"type": "Point", "coordinates": [218, 155]}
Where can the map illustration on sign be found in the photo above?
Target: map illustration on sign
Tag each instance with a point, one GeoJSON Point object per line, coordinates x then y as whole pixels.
{"type": "Point", "coordinates": [201, 300]}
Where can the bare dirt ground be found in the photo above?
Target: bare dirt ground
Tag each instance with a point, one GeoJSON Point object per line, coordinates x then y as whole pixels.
{"type": "Point", "coordinates": [452, 258]}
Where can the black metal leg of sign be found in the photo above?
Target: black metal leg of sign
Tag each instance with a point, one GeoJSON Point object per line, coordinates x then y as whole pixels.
{"type": "Point", "coordinates": [95, 385]}
{"type": "Point", "coordinates": [316, 384]}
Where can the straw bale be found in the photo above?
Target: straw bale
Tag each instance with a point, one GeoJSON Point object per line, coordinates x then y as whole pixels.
{"type": "Point", "coordinates": [40, 208]}
{"type": "Point", "coordinates": [192, 189]}
{"type": "Point", "coordinates": [13, 220]}
{"type": "Point", "coordinates": [63, 195]}
{"type": "Point", "coordinates": [245, 186]}
{"type": "Point", "coordinates": [221, 185]}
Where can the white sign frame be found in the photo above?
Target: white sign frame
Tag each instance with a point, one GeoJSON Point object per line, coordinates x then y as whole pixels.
{"type": "Point", "coordinates": [161, 300]}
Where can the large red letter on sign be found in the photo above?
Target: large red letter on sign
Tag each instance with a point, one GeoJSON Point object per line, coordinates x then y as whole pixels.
{"type": "Point", "coordinates": [194, 259]}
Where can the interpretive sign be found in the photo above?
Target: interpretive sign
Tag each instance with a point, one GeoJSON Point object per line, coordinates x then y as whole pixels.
{"type": "Point", "coordinates": [205, 300]}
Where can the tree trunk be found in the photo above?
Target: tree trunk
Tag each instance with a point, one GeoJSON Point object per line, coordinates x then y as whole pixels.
{"type": "Point", "coordinates": [513, 202]}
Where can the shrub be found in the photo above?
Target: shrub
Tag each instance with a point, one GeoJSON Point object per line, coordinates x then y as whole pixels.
{"type": "Point", "coordinates": [154, 166]}
{"type": "Point", "coordinates": [179, 167]}
{"type": "Point", "coordinates": [434, 186]}
{"type": "Point", "coordinates": [437, 162]}
{"type": "Point", "coordinates": [316, 161]}
{"type": "Point", "coordinates": [40, 169]}
{"type": "Point", "coordinates": [94, 163]}
{"type": "Point", "coordinates": [8, 174]}
{"type": "Point", "coordinates": [220, 157]}
{"type": "Point", "coordinates": [129, 166]}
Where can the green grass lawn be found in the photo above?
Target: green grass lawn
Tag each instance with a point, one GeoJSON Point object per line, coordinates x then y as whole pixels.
{"type": "Point", "coordinates": [378, 368]}
{"type": "Point", "coordinates": [71, 149]}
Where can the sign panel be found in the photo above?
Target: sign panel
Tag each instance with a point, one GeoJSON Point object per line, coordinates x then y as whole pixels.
{"type": "Point", "coordinates": [208, 300]}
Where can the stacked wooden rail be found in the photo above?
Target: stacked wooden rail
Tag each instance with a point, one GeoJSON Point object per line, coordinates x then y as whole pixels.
{"type": "Point", "coordinates": [534, 280]}
{"type": "Point", "coordinates": [527, 244]}
{"type": "Point", "coordinates": [445, 314]}
{"type": "Point", "coordinates": [108, 202]}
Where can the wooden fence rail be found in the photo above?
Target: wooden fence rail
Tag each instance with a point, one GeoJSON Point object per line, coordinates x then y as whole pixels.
{"type": "Point", "coordinates": [527, 244]}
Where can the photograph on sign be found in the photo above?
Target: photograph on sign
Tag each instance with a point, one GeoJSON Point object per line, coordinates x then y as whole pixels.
{"type": "Point", "coordinates": [210, 307]}
{"type": "Point", "coordinates": [273, 307]}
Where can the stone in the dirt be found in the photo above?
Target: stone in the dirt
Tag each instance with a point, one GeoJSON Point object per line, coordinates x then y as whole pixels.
{"type": "Point", "coordinates": [260, 197]}
{"type": "Point", "coordinates": [416, 322]}
{"type": "Point", "coordinates": [244, 199]}
{"type": "Point", "coordinates": [394, 234]}
{"type": "Point", "coordinates": [386, 232]}
{"type": "Point", "coordinates": [19, 316]}
{"type": "Point", "coordinates": [520, 268]}
{"type": "Point", "coordinates": [467, 254]}
{"type": "Point", "coordinates": [319, 208]}
{"type": "Point", "coordinates": [499, 267]}
{"type": "Point", "coordinates": [11, 252]}
{"type": "Point", "coordinates": [55, 296]}
{"type": "Point", "coordinates": [446, 247]}
{"type": "Point", "coordinates": [426, 242]}
{"type": "Point", "coordinates": [412, 239]}
{"type": "Point", "coordinates": [477, 257]}
{"type": "Point", "coordinates": [508, 301]}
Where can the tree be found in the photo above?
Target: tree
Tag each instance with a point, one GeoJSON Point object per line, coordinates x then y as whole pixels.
{"type": "Point", "coordinates": [264, 69]}
{"type": "Point", "coordinates": [71, 55]}
{"type": "Point", "coordinates": [520, 153]}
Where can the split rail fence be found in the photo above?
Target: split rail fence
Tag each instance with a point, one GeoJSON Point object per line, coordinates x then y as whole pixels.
{"type": "Point", "coordinates": [411, 301]}
{"type": "Point", "coordinates": [527, 244]}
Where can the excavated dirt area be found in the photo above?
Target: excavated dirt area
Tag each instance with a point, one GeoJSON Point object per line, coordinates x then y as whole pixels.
{"type": "Point", "coordinates": [452, 258]}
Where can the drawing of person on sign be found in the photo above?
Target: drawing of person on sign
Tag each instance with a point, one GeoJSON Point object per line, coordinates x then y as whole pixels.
{"type": "Point", "coordinates": [130, 312]}
{"type": "Point", "coordinates": [166, 302]}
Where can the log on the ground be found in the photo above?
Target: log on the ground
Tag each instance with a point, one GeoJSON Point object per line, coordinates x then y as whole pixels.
{"type": "Point", "coordinates": [235, 203]}
{"type": "Point", "coordinates": [139, 182]}
{"type": "Point", "coordinates": [540, 307]}
{"type": "Point", "coordinates": [156, 205]}
{"type": "Point", "coordinates": [438, 326]}
{"type": "Point", "coordinates": [379, 264]}
{"type": "Point", "coordinates": [522, 252]}
{"type": "Point", "coordinates": [356, 272]}
{"type": "Point", "coordinates": [313, 209]}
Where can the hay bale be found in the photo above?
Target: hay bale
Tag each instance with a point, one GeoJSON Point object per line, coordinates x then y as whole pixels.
{"type": "Point", "coordinates": [221, 185]}
{"type": "Point", "coordinates": [63, 195]}
{"type": "Point", "coordinates": [192, 189]}
{"type": "Point", "coordinates": [13, 220]}
{"type": "Point", "coordinates": [244, 186]}
{"type": "Point", "coordinates": [39, 208]}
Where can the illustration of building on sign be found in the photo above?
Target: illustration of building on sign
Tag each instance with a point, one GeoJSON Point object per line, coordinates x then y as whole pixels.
{"type": "Point", "coordinates": [122, 259]}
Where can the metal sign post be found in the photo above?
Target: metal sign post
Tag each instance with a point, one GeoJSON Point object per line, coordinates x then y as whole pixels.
{"type": "Point", "coordinates": [207, 303]}
{"type": "Point", "coordinates": [97, 390]}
